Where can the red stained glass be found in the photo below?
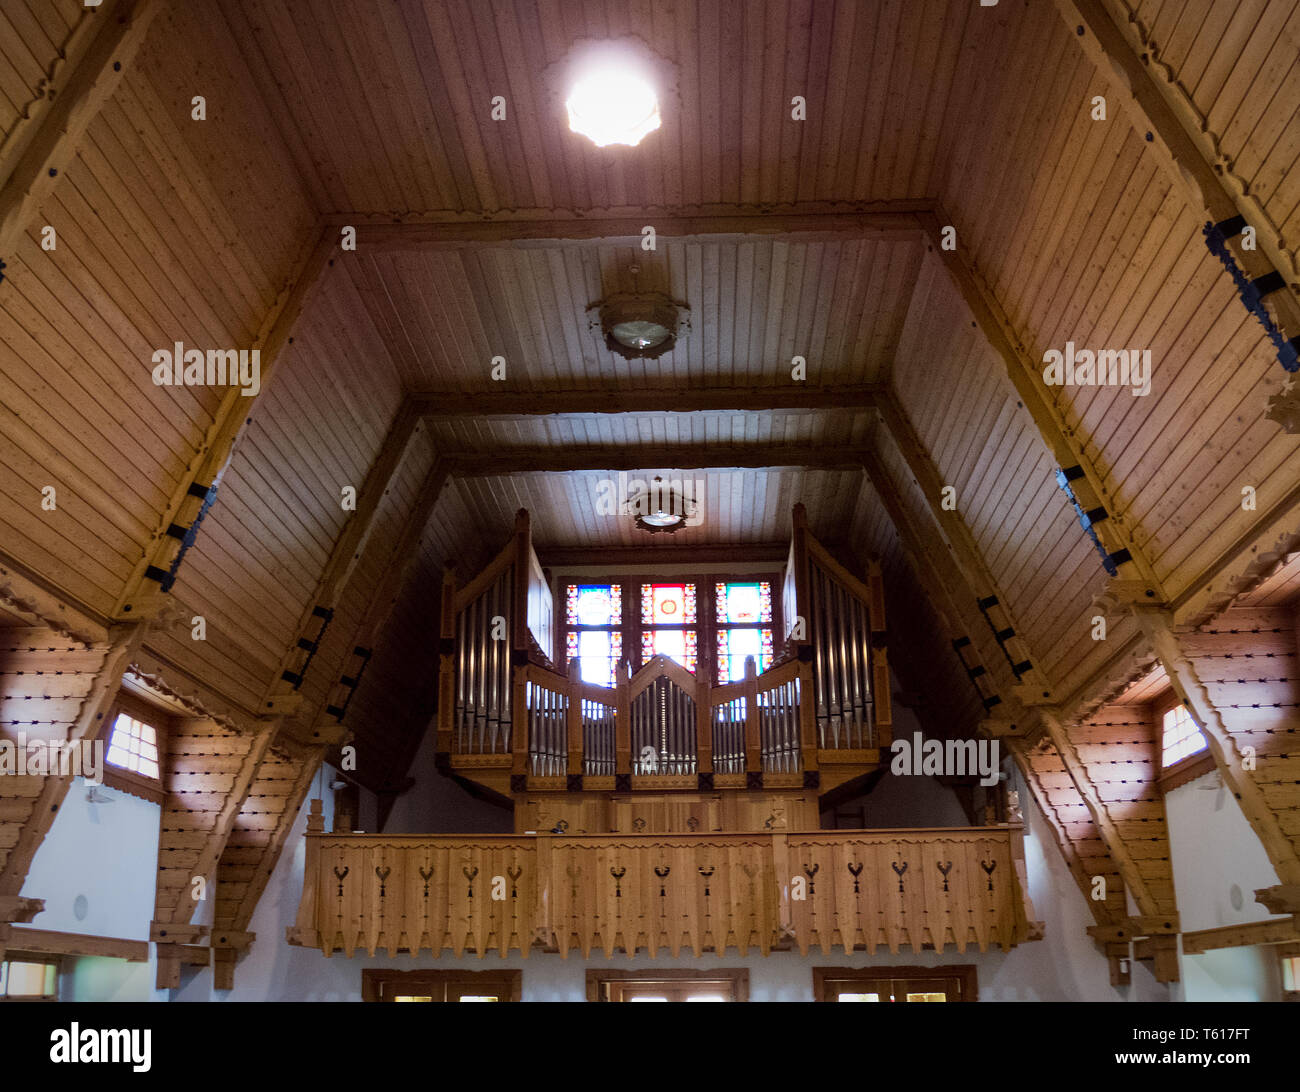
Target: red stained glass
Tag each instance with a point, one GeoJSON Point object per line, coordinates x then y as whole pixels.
{"type": "Point", "coordinates": [667, 604]}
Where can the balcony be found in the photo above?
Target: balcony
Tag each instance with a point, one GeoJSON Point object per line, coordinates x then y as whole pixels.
{"type": "Point", "coordinates": [935, 889]}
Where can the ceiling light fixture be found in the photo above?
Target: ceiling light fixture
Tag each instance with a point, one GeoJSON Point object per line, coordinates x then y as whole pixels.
{"type": "Point", "coordinates": [610, 105]}
{"type": "Point", "coordinates": [642, 325]}
{"type": "Point", "coordinates": [661, 509]}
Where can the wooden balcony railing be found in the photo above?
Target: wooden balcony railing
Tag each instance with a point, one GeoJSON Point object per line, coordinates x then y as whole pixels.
{"type": "Point", "coordinates": [849, 890]}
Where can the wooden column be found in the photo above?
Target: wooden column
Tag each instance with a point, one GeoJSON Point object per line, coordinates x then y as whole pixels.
{"type": "Point", "coordinates": [753, 741]}
{"type": "Point", "coordinates": [573, 724]}
{"type": "Point", "coordinates": [447, 665]}
{"type": "Point", "coordinates": [622, 721]}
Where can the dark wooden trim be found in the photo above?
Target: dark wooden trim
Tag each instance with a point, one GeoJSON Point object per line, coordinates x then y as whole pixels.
{"type": "Point", "coordinates": [964, 972]}
{"type": "Point", "coordinates": [795, 397]}
{"type": "Point", "coordinates": [373, 982]}
{"type": "Point", "coordinates": [1189, 769]}
{"type": "Point", "coordinates": [500, 462]}
{"type": "Point", "coordinates": [162, 721]}
{"type": "Point", "coordinates": [566, 557]}
{"type": "Point", "coordinates": [737, 976]}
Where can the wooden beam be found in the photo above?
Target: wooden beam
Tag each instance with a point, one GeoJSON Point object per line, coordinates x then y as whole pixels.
{"type": "Point", "coordinates": [511, 461]}
{"type": "Point", "coordinates": [558, 557]}
{"type": "Point", "coordinates": [1186, 681]}
{"type": "Point", "coordinates": [342, 563]}
{"type": "Point", "coordinates": [1115, 844]}
{"type": "Point", "coordinates": [1243, 563]}
{"type": "Point", "coordinates": [26, 594]}
{"type": "Point", "coordinates": [944, 586]}
{"type": "Point", "coordinates": [141, 597]}
{"type": "Point", "coordinates": [1025, 371]}
{"type": "Point", "coordinates": [1277, 931]}
{"type": "Point", "coordinates": [1280, 899]}
{"type": "Point", "coordinates": [963, 550]}
{"type": "Point", "coordinates": [548, 227]}
{"type": "Point", "coordinates": [622, 399]}
{"type": "Point", "coordinates": [1164, 114]}
{"type": "Point", "coordinates": [124, 641]}
{"type": "Point", "coordinates": [366, 633]}
{"type": "Point", "coordinates": [74, 104]}
{"type": "Point", "coordinates": [48, 942]}
{"type": "Point", "coordinates": [236, 924]}
{"type": "Point", "coordinates": [1102, 914]}
{"type": "Point", "coordinates": [219, 826]}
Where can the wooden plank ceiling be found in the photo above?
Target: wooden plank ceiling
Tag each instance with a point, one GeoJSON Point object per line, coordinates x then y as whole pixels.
{"type": "Point", "coordinates": [324, 112]}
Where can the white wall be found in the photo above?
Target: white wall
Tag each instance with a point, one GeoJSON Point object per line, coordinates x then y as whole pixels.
{"type": "Point", "coordinates": [1218, 864]}
{"type": "Point", "coordinates": [107, 853]}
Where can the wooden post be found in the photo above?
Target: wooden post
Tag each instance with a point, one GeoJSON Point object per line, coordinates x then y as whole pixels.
{"type": "Point", "coordinates": [544, 927]}
{"type": "Point", "coordinates": [704, 725]}
{"type": "Point", "coordinates": [807, 717]}
{"type": "Point", "coordinates": [881, 711]}
{"type": "Point", "coordinates": [753, 743]}
{"type": "Point", "coordinates": [622, 721]}
{"type": "Point", "coordinates": [575, 717]}
{"type": "Point", "coordinates": [523, 549]}
{"type": "Point", "coordinates": [799, 560]}
{"type": "Point", "coordinates": [447, 665]}
{"type": "Point", "coordinates": [519, 719]}
{"type": "Point", "coordinates": [303, 931]}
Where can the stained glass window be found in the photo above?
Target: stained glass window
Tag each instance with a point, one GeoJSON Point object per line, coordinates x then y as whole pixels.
{"type": "Point", "coordinates": [740, 608]}
{"type": "Point", "coordinates": [744, 604]}
{"type": "Point", "coordinates": [735, 644]}
{"type": "Point", "coordinates": [667, 604]}
{"type": "Point", "coordinates": [677, 644]}
{"type": "Point", "coordinates": [595, 612]}
{"type": "Point", "coordinates": [594, 605]}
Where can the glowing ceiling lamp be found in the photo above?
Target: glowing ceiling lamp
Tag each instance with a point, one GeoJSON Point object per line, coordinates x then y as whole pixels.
{"type": "Point", "coordinates": [613, 106]}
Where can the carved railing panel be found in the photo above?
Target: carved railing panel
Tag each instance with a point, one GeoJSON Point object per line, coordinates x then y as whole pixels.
{"type": "Point", "coordinates": [849, 890]}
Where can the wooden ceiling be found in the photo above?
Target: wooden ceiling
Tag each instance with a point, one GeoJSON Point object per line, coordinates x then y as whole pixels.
{"type": "Point", "coordinates": [329, 113]}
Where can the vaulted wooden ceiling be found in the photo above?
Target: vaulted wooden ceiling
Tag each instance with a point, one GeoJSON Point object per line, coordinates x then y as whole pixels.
{"type": "Point", "coordinates": [472, 245]}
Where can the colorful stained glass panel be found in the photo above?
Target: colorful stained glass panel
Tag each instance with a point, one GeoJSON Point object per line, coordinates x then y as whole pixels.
{"type": "Point", "coordinates": [597, 650]}
{"type": "Point", "coordinates": [735, 644]}
{"type": "Point", "coordinates": [744, 603]}
{"type": "Point", "coordinates": [667, 604]}
{"type": "Point", "coordinates": [594, 604]}
{"type": "Point", "coordinates": [676, 644]}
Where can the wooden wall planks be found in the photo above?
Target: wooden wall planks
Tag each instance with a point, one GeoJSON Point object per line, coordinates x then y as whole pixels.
{"type": "Point", "coordinates": [1120, 750]}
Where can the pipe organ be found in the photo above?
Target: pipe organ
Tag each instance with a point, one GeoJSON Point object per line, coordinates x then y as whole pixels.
{"type": "Point", "coordinates": [514, 721]}
{"type": "Point", "coordinates": [484, 682]}
{"type": "Point", "coordinates": [665, 808]}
